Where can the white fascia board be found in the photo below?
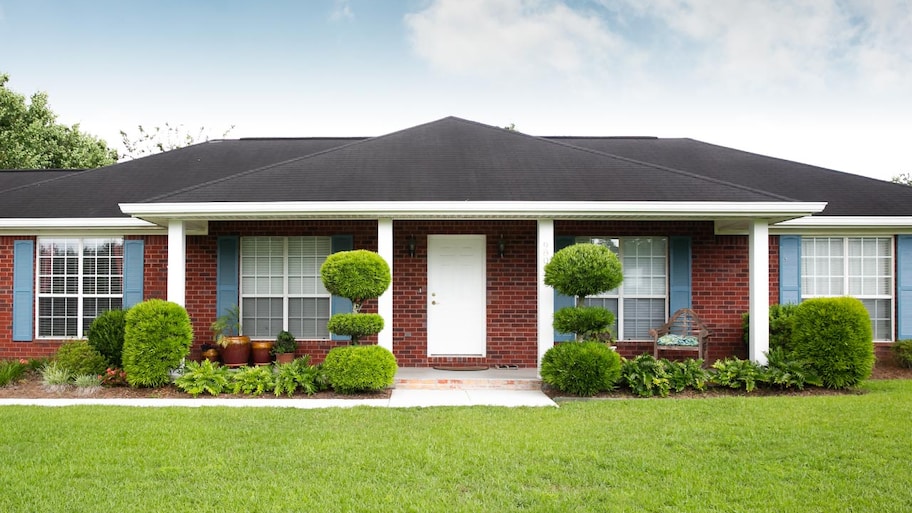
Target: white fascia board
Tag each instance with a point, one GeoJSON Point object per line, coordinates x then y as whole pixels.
{"type": "Point", "coordinates": [82, 224]}
{"type": "Point", "coordinates": [531, 209]}
{"type": "Point", "coordinates": [844, 224]}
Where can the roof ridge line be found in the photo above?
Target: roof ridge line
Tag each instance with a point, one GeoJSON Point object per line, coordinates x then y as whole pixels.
{"type": "Point", "coordinates": [674, 170]}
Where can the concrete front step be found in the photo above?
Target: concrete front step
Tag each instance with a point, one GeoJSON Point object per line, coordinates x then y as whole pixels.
{"type": "Point", "coordinates": [492, 379]}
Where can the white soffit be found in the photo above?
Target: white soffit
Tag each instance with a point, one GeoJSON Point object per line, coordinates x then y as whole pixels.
{"type": "Point", "coordinates": [845, 224]}
{"type": "Point", "coordinates": [119, 225]}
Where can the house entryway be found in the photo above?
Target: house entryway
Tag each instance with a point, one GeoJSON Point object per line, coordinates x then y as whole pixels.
{"type": "Point", "coordinates": [456, 296]}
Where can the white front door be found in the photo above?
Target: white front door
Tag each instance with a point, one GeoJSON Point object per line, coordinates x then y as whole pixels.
{"type": "Point", "coordinates": [456, 295]}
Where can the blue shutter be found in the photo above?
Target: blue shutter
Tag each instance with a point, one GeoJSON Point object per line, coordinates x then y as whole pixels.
{"type": "Point", "coordinates": [904, 286]}
{"type": "Point", "coordinates": [679, 273]}
{"type": "Point", "coordinates": [341, 304]}
{"type": "Point", "coordinates": [227, 275]}
{"type": "Point", "coordinates": [132, 272]}
{"type": "Point", "coordinates": [789, 269]}
{"type": "Point", "coordinates": [560, 300]}
{"type": "Point", "coordinates": [23, 288]}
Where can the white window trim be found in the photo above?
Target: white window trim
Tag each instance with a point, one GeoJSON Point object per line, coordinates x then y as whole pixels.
{"type": "Point", "coordinates": [80, 294]}
{"type": "Point", "coordinates": [286, 296]}
{"type": "Point", "coordinates": [845, 276]}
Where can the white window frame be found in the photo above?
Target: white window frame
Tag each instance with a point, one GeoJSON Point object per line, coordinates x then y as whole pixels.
{"type": "Point", "coordinates": [286, 296]}
{"type": "Point", "coordinates": [619, 293]}
{"type": "Point", "coordinates": [80, 296]}
{"type": "Point", "coordinates": [891, 296]}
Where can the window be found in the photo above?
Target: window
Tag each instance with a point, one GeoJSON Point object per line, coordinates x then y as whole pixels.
{"type": "Point", "coordinates": [861, 267]}
{"type": "Point", "coordinates": [639, 304]}
{"type": "Point", "coordinates": [78, 279]}
{"type": "Point", "coordinates": [281, 287]}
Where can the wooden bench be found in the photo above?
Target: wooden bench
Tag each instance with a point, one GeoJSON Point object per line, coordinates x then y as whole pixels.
{"type": "Point", "coordinates": [685, 331]}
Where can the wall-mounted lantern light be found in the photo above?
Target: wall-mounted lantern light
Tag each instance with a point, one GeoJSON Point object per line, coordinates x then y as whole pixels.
{"type": "Point", "coordinates": [412, 245]}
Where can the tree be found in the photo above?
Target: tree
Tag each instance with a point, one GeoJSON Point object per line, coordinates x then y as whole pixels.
{"type": "Point", "coordinates": [30, 137]}
{"type": "Point", "coordinates": [583, 270]}
{"type": "Point", "coordinates": [903, 178]}
{"type": "Point", "coordinates": [157, 140]}
{"type": "Point", "coordinates": [357, 275]}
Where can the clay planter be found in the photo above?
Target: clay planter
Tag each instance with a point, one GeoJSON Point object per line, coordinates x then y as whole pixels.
{"type": "Point", "coordinates": [261, 350]}
{"type": "Point", "coordinates": [237, 352]}
{"type": "Point", "coordinates": [211, 354]}
{"type": "Point", "coordinates": [284, 357]}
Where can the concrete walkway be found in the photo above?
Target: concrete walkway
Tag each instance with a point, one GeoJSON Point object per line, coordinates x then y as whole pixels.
{"type": "Point", "coordinates": [398, 399]}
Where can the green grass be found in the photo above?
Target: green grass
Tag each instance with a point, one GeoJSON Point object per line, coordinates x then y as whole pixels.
{"type": "Point", "coordinates": [743, 454]}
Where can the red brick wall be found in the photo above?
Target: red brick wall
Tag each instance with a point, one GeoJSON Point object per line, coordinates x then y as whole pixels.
{"type": "Point", "coordinates": [511, 292]}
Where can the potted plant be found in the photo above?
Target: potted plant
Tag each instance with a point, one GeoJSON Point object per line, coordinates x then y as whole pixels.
{"type": "Point", "coordinates": [226, 331]}
{"type": "Point", "coordinates": [284, 347]}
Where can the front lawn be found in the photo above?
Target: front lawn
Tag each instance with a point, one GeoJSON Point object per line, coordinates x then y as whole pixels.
{"type": "Point", "coordinates": [770, 454]}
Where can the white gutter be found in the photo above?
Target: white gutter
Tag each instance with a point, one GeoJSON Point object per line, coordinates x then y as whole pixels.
{"type": "Point", "coordinates": [531, 209]}
{"type": "Point", "coordinates": [846, 222]}
{"type": "Point", "coordinates": [33, 225]}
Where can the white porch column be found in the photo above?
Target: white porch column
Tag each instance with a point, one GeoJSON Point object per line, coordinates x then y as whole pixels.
{"type": "Point", "coordinates": [177, 262]}
{"type": "Point", "coordinates": [385, 301]}
{"type": "Point", "coordinates": [545, 293]}
{"type": "Point", "coordinates": [759, 290]}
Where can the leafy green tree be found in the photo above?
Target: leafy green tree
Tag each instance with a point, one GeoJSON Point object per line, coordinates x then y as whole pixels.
{"type": "Point", "coordinates": [583, 270]}
{"type": "Point", "coordinates": [157, 140]}
{"type": "Point", "coordinates": [31, 138]}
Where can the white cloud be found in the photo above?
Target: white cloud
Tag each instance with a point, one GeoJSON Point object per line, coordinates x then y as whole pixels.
{"type": "Point", "coordinates": [532, 38]}
{"type": "Point", "coordinates": [341, 11]}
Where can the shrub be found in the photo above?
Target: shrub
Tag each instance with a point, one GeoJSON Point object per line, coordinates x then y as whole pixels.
{"type": "Point", "coordinates": [299, 374]}
{"type": "Point", "coordinates": [106, 335]}
{"type": "Point", "coordinates": [586, 321]}
{"type": "Point", "coordinates": [581, 368]}
{"type": "Point", "coordinates": [903, 351]}
{"type": "Point", "coordinates": [285, 343]}
{"type": "Point", "coordinates": [204, 376]}
{"type": "Point", "coordinates": [357, 275]}
{"type": "Point", "coordinates": [253, 380]}
{"type": "Point", "coordinates": [157, 337]}
{"type": "Point", "coordinates": [687, 374]}
{"type": "Point", "coordinates": [53, 374]}
{"type": "Point", "coordinates": [352, 369]}
{"type": "Point", "coordinates": [355, 325]}
{"type": "Point", "coordinates": [736, 373]}
{"type": "Point", "coordinates": [11, 371]}
{"type": "Point", "coordinates": [583, 270]}
{"type": "Point", "coordinates": [114, 378]}
{"type": "Point", "coordinates": [78, 357]}
{"type": "Point", "coordinates": [781, 323]}
{"type": "Point", "coordinates": [834, 336]}
{"type": "Point", "coordinates": [645, 376]}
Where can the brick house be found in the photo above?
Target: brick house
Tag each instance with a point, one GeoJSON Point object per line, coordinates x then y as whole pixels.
{"type": "Point", "coordinates": [466, 215]}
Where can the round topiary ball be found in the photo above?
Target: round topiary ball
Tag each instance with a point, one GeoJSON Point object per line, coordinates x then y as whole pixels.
{"type": "Point", "coordinates": [357, 275]}
{"type": "Point", "coordinates": [355, 325]}
{"type": "Point", "coordinates": [581, 368]}
{"type": "Point", "coordinates": [585, 321]}
{"type": "Point", "coordinates": [351, 369]}
{"type": "Point", "coordinates": [157, 337]}
{"type": "Point", "coordinates": [583, 270]}
{"type": "Point", "coordinates": [834, 336]}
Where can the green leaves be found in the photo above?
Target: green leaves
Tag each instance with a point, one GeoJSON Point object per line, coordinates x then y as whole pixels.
{"type": "Point", "coordinates": [30, 137]}
{"type": "Point", "coordinates": [357, 275]}
{"type": "Point", "coordinates": [583, 270]}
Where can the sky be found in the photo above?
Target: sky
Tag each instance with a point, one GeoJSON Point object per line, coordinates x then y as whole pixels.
{"type": "Point", "coordinates": [824, 82]}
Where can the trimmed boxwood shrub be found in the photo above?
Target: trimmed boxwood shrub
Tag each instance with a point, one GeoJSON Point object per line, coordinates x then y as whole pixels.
{"type": "Point", "coordinates": [583, 270]}
{"type": "Point", "coordinates": [357, 275]}
{"type": "Point", "coordinates": [834, 336]}
{"type": "Point", "coordinates": [79, 358]}
{"type": "Point", "coordinates": [781, 323]}
{"type": "Point", "coordinates": [586, 321]}
{"type": "Point", "coordinates": [903, 351]}
{"type": "Point", "coordinates": [106, 335]}
{"type": "Point", "coordinates": [581, 368]}
{"type": "Point", "coordinates": [355, 325]}
{"type": "Point", "coordinates": [351, 369]}
{"type": "Point", "coordinates": [157, 337]}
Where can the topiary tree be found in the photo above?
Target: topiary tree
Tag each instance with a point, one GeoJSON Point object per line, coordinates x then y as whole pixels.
{"type": "Point", "coordinates": [157, 337]}
{"type": "Point", "coordinates": [583, 270]}
{"type": "Point", "coordinates": [357, 275]}
{"type": "Point", "coordinates": [351, 369]}
{"type": "Point", "coordinates": [106, 335]}
{"type": "Point", "coordinates": [834, 336]}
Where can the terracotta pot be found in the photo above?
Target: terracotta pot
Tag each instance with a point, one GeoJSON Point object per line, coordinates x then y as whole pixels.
{"type": "Point", "coordinates": [261, 350]}
{"type": "Point", "coordinates": [284, 357]}
{"type": "Point", "coordinates": [211, 354]}
{"type": "Point", "coordinates": [237, 352]}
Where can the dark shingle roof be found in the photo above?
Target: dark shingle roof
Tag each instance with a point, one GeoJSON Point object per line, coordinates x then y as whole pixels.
{"type": "Point", "coordinates": [15, 178]}
{"type": "Point", "coordinates": [846, 194]}
{"type": "Point", "coordinates": [457, 160]}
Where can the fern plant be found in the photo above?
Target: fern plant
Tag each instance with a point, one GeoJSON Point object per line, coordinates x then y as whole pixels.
{"type": "Point", "coordinates": [253, 380]}
{"type": "Point", "coordinates": [645, 376]}
{"type": "Point", "coordinates": [203, 377]}
{"type": "Point", "coordinates": [785, 372]}
{"type": "Point", "coordinates": [736, 373]}
{"type": "Point", "coordinates": [687, 374]}
{"type": "Point", "coordinates": [299, 375]}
